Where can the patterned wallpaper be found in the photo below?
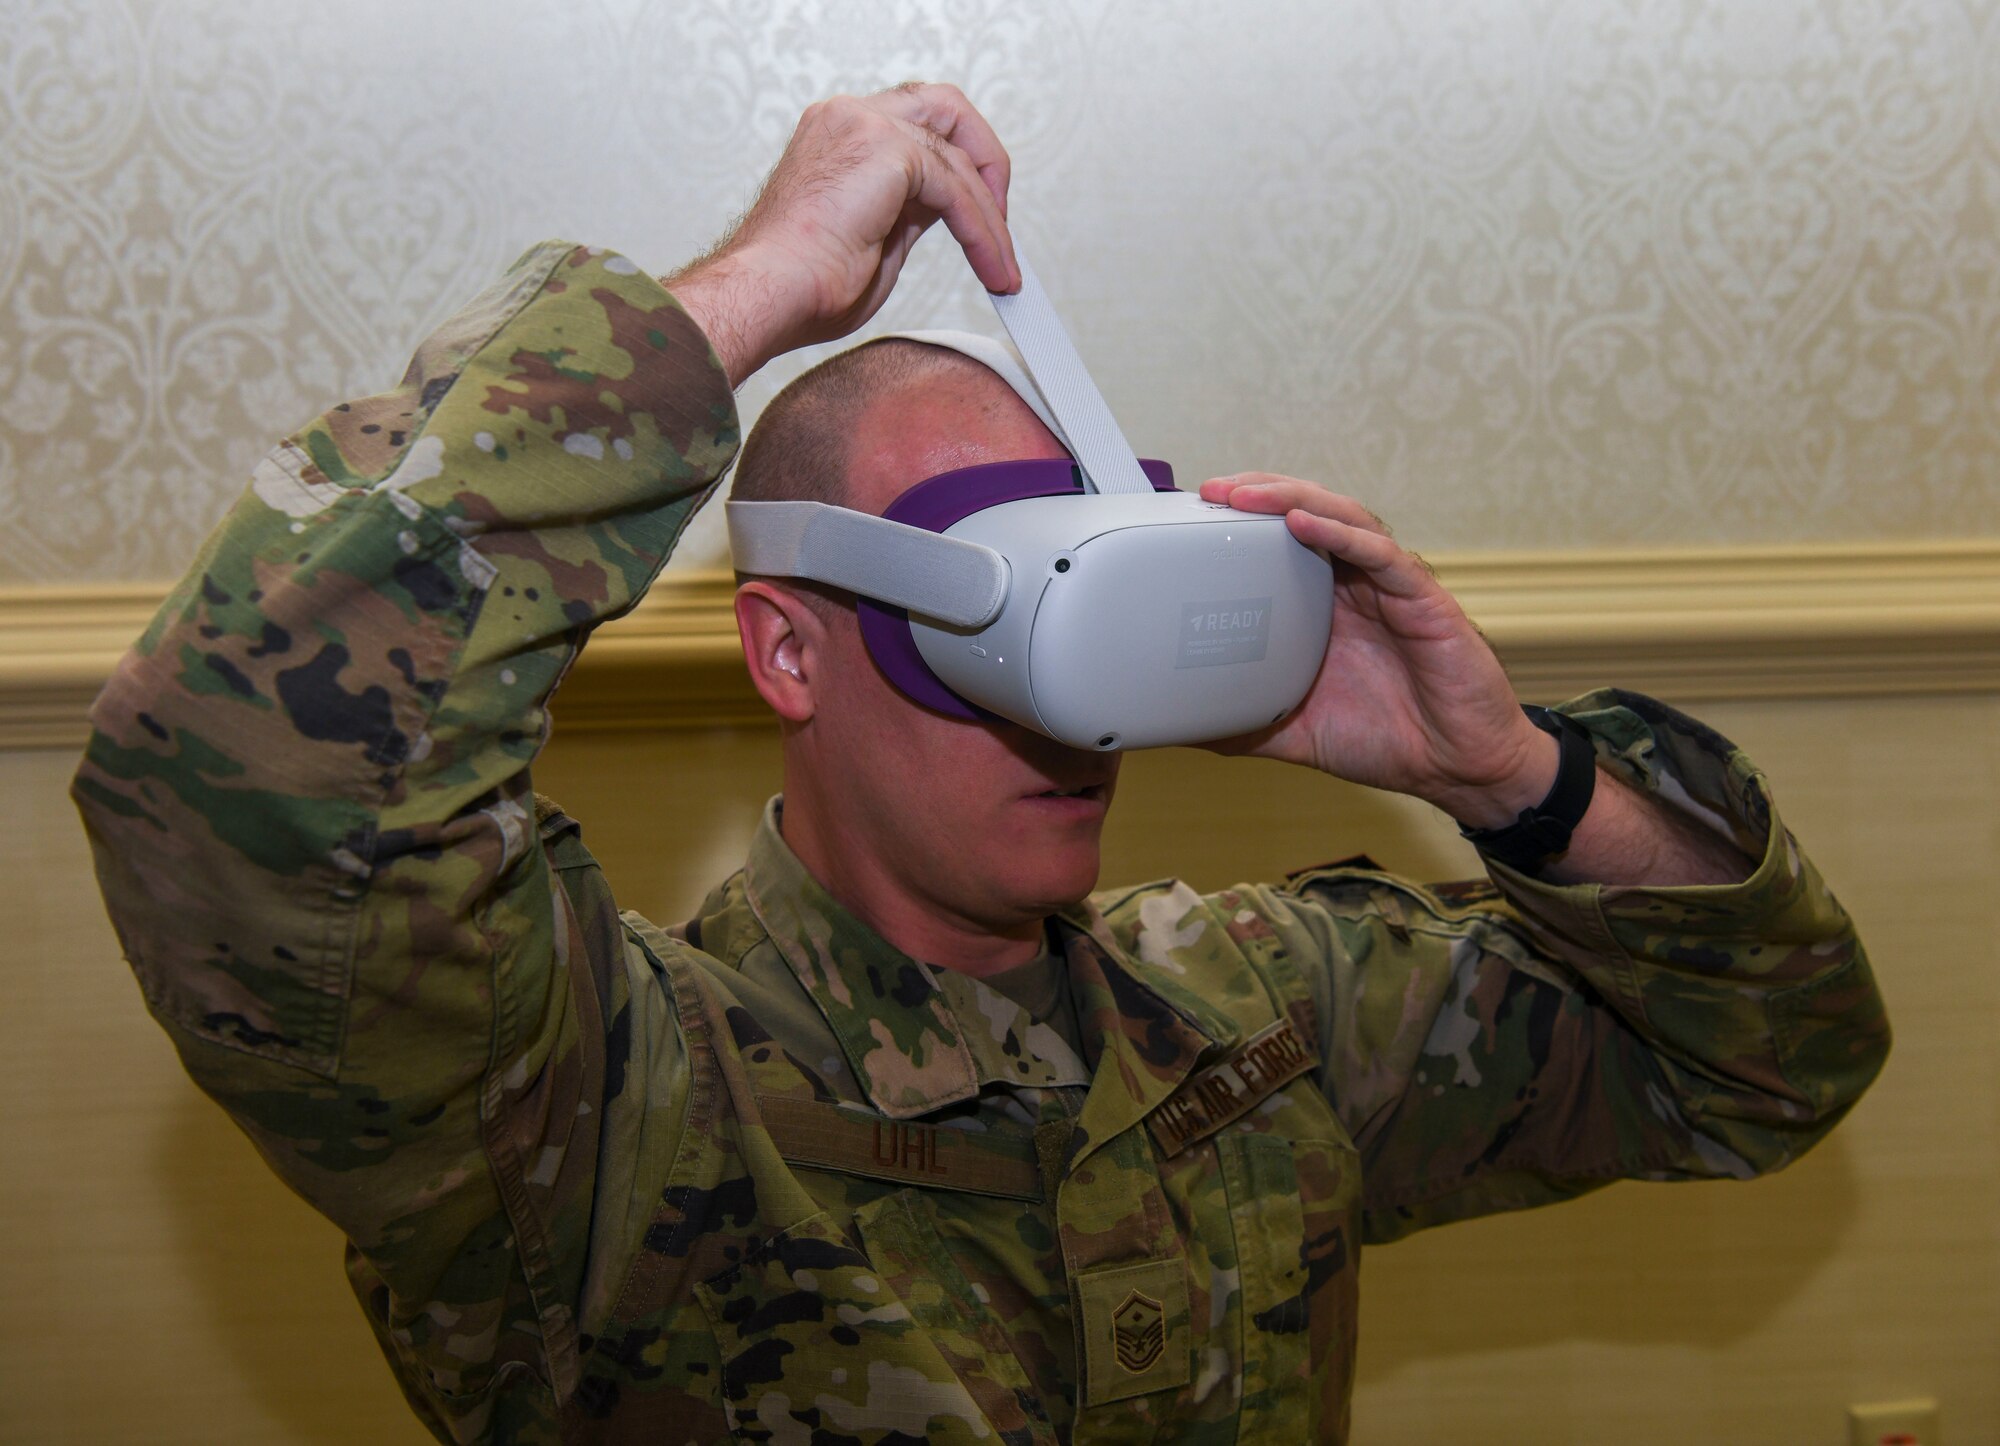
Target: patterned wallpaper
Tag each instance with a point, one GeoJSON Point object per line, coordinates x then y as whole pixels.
{"type": "Point", "coordinates": [1519, 272]}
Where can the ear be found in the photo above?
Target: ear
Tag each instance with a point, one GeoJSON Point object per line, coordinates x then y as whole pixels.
{"type": "Point", "coordinates": [784, 643]}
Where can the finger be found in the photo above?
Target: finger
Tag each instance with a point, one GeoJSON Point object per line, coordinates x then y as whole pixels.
{"type": "Point", "coordinates": [1268, 492]}
{"type": "Point", "coordinates": [1218, 489]}
{"type": "Point", "coordinates": [1388, 566]}
{"type": "Point", "coordinates": [945, 110]}
{"type": "Point", "coordinates": [948, 185]}
{"type": "Point", "coordinates": [943, 181]}
{"type": "Point", "coordinates": [1284, 493]}
{"type": "Point", "coordinates": [1221, 489]}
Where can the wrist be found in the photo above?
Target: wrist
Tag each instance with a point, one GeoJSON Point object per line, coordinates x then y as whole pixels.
{"type": "Point", "coordinates": [1543, 832]}
{"type": "Point", "coordinates": [740, 305]}
{"type": "Point", "coordinates": [1522, 783]}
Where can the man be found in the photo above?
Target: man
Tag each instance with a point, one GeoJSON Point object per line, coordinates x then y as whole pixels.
{"type": "Point", "coordinates": [903, 1137]}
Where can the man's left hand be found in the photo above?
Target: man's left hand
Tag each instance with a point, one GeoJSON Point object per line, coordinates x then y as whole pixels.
{"type": "Point", "coordinates": [1409, 697]}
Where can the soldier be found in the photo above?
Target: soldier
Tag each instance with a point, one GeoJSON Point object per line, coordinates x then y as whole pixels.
{"type": "Point", "coordinates": [907, 1136]}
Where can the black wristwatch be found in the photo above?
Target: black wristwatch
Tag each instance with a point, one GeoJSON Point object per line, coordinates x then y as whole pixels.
{"type": "Point", "coordinates": [1542, 832]}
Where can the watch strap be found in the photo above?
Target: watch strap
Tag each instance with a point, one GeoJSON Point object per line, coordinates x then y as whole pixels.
{"type": "Point", "coordinates": [1544, 831]}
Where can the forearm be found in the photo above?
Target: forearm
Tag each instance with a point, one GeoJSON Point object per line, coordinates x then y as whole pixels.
{"type": "Point", "coordinates": [1629, 837]}
{"type": "Point", "coordinates": [1626, 836]}
{"type": "Point", "coordinates": [742, 307]}
{"type": "Point", "coordinates": [1506, 1051]}
{"type": "Point", "coordinates": [1752, 993]}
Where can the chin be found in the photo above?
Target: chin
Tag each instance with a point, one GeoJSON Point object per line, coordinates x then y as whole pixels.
{"type": "Point", "coordinates": [1060, 879]}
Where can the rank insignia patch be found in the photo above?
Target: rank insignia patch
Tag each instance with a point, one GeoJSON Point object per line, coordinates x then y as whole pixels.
{"type": "Point", "coordinates": [1138, 1332]}
{"type": "Point", "coordinates": [1135, 1333]}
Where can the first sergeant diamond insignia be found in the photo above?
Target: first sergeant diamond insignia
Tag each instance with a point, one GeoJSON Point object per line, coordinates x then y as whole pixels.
{"type": "Point", "coordinates": [1138, 1332]}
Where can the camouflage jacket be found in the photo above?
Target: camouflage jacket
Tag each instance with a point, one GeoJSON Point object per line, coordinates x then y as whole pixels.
{"type": "Point", "coordinates": [762, 1176]}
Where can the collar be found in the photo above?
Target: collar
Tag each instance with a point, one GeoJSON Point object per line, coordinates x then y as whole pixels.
{"type": "Point", "coordinates": [919, 1038]}
{"type": "Point", "coordinates": [1147, 1033]}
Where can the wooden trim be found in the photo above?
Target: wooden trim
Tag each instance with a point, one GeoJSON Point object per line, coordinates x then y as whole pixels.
{"type": "Point", "coordinates": [1796, 622]}
{"type": "Point", "coordinates": [1690, 624]}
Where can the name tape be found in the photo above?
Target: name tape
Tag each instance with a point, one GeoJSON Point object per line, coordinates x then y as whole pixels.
{"type": "Point", "coordinates": [828, 1137]}
{"type": "Point", "coordinates": [1228, 1090]}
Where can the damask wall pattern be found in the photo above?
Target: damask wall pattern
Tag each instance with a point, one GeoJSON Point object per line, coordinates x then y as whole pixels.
{"type": "Point", "coordinates": [1521, 273]}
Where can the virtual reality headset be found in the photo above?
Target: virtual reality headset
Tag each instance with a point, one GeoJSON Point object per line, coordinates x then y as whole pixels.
{"type": "Point", "coordinates": [1085, 598]}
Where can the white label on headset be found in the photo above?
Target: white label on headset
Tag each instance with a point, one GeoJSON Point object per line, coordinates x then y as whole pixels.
{"type": "Point", "coordinates": [1235, 630]}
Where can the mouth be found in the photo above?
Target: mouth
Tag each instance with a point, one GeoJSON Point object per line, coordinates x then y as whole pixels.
{"type": "Point", "coordinates": [1091, 793]}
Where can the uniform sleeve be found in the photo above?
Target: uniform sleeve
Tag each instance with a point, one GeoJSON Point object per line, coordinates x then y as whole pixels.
{"type": "Point", "coordinates": [1494, 1048]}
{"type": "Point", "coordinates": [307, 794]}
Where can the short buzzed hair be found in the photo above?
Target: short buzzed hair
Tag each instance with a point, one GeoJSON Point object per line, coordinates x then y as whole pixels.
{"type": "Point", "coordinates": [799, 450]}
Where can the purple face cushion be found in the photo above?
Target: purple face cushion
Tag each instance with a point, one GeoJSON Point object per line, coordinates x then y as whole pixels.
{"type": "Point", "coordinates": [935, 504]}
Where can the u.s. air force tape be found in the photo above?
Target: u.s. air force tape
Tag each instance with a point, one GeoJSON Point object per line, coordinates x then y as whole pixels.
{"type": "Point", "coordinates": [1227, 1090]}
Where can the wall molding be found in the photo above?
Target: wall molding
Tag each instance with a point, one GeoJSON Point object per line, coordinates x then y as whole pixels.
{"type": "Point", "coordinates": [1685, 624]}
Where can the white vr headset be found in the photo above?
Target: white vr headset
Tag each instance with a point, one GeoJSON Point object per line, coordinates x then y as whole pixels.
{"type": "Point", "coordinates": [1089, 599]}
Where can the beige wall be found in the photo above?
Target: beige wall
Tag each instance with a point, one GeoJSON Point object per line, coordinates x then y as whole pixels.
{"type": "Point", "coordinates": [1523, 273]}
{"type": "Point", "coordinates": [163, 1288]}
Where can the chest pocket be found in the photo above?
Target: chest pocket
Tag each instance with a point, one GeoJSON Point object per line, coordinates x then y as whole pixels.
{"type": "Point", "coordinates": [823, 1334]}
{"type": "Point", "coordinates": [1292, 1207]}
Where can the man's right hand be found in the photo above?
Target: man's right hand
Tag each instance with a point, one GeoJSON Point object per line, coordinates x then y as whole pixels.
{"type": "Point", "coordinates": [820, 250]}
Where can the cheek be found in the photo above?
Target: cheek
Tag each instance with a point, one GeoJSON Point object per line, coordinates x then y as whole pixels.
{"type": "Point", "coordinates": [945, 786]}
{"type": "Point", "coordinates": [964, 774]}
{"type": "Point", "coordinates": [925, 763]}
{"type": "Point", "coordinates": [871, 719]}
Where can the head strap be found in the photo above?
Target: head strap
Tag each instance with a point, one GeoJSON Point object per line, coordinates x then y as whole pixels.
{"type": "Point", "coordinates": [958, 583]}
{"type": "Point", "coordinates": [1043, 368]}
{"type": "Point", "coordinates": [1092, 434]}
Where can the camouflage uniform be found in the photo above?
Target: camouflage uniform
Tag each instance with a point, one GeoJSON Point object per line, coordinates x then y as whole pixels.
{"type": "Point", "coordinates": [762, 1174]}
